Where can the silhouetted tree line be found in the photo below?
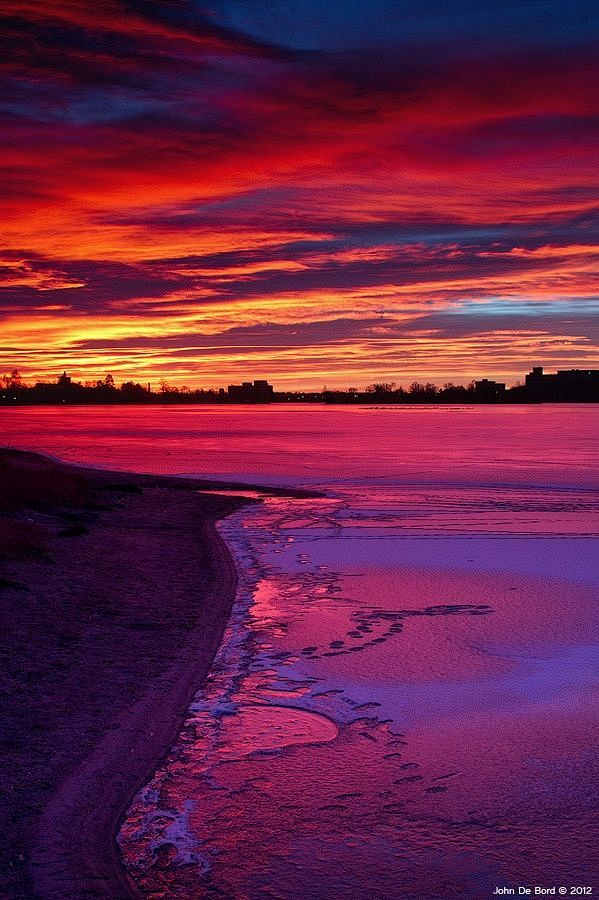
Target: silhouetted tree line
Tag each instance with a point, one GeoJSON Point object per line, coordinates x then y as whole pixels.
{"type": "Point", "coordinates": [102, 391]}
{"type": "Point", "coordinates": [570, 386]}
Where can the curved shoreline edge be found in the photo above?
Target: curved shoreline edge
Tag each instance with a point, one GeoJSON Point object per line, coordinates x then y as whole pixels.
{"type": "Point", "coordinates": [116, 618]}
{"type": "Point", "coordinates": [76, 851]}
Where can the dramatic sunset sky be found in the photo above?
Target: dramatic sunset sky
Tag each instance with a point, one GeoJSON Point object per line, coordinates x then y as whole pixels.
{"type": "Point", "coordinates": [315, 191]}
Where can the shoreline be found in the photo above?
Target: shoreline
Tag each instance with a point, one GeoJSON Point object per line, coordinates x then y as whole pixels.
{"type": "Point", "coordinates": [76, 848]}
{"type": "Point", "coordinates": [117, 619]}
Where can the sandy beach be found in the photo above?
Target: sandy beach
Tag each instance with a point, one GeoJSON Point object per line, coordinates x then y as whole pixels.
{"type": "Point", "coordinates": [115, 592]}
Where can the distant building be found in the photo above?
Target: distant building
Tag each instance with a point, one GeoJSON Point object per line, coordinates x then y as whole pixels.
{"type": "Point", "coordinates": [258, 391]}
{"type": "Point", "coordinates": [264, 391]}
{"type": "Point", "coordinates": [64, 380]}
{"type": "Point", "coordinates": [565, 385]}
{"type": "Point", "coordinates": [489, 391]}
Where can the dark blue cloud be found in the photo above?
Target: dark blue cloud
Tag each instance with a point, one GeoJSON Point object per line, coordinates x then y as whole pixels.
{"type": "Point", "coordinates": [340, 25]}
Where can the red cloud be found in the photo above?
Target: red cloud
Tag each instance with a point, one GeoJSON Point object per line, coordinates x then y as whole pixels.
{"type": "Point", "coordinates": [269, 184]}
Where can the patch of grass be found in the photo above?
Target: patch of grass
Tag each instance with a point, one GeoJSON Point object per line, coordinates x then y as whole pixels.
{"type": "Point", "coordinates": [31, 481]}
{"type": "Point", "coordinates": [123, 487]}
{"type": "Point", "coordinates": [18, 538]}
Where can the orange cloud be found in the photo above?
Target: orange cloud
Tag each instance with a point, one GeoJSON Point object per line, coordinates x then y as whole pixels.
{"type": "Point", "coordinates": [171, 180]}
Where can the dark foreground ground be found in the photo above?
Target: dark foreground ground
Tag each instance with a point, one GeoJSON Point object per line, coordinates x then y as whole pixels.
{"type": "Point", "coordinates": [114, 593]}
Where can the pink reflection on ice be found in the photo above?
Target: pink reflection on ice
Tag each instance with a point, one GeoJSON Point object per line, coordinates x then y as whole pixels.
{"type": "Point", "coordinates": [261, 728]}
{"type": "Point", "coordinates": [464, 703]}
{"type": "Point", "coordinates": [545, 444]}
{"type": "Point", "coordinates": [405, 703]}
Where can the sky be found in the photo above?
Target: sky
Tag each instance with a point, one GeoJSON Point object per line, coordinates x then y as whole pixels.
{"type": "Point", "coordinates": [316, 193]}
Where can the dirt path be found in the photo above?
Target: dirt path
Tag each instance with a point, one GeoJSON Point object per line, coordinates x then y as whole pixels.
{"type": "Point", "coordinates": [109, 632]}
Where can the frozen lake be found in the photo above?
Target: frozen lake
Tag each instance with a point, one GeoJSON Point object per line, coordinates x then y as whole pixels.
{"type": "Point", "coordinates": [405, 702]}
